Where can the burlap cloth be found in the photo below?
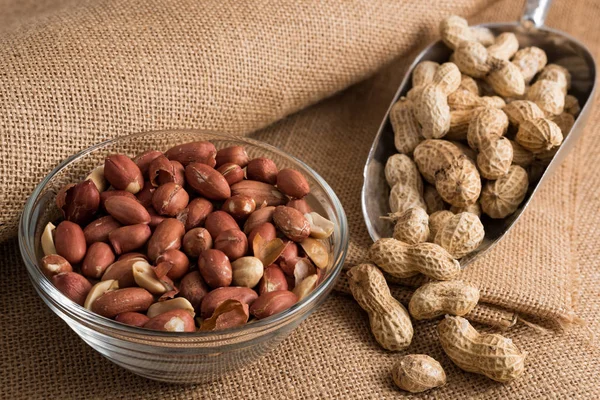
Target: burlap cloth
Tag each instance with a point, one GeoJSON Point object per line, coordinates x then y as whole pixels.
{"type": "Point", "coordinates": [75, 73]}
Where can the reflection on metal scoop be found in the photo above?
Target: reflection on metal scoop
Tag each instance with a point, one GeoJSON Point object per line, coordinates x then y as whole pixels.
{"type": "Point", "coordinates": [561, 49]}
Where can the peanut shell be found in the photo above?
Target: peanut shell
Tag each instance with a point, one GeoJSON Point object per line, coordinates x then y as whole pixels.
{"type": "Point", "coordinates": [400, 168]}
{"type": "Point", "coordinates": [565, 122]}
{"type": "Point", "coordinates": [438, 298]}
{"type": "Point", "coordinates": [433, 200]}
{"type": "Point", "coordinates": [501, 198]}
{"type": "Point", "coordinates": [455, 30]}
{"type": "Point", "coordinates": [537, 135]}
{"type": "Point", "coordinates": [519, 111]}
{"type": "Point", "coordinates": [521, 156]}
{"type": "Point", "coordinates": [403, 197]}
{"type": "Point", "coordinates": [472, 59]}
{"type": "Point", "coordinates": [490, 122]}
{"type": "Point", "coordinates": [507, 80]}
{"type": "Point", "coordinates": [412, 226]}
{"type": "Point", "coordinates": [572, 105]}
{"type": "Point", "coordinates": [436, 221]}
{"type": "Point", "coordinates": [548, 95]}
{"type": "Point", "coordinates": [389, 320]}
{"type": "Point", "coordinates": [474, 208]}
{"type": "Point", "coordinates": [423, 73]}
{"type": "Point", "coordinates": [417, 373]}
{"type": "Point", "coordinates": [504, 47]}
{"type": "Point", "coordinates": [461, 234]}
{"type": "Point", "coordinates": [556, 73]}
{"type": "Point", "coordinates": [431, 109]}
{"type": "Point", "coordinates": [495, 157]}
{"type": "Point", "coordinates": [403, 261]}
{"type": "Point", "coordinates": [460, 183]}
{"type": "Point", "coordinates": [447, 78]}
{"type": "Point", "coordinates": [483, 35]}
{"type": "Point", "coordinates": [433, 155]}
{"type": "Point", "coordinates": [469, 84]}
{"type": "Point", "coordinates": [491, 355]}
{"type": "Point", "coordinates": [530, 61]}
{"type": "Point", "coordinates": [407, 131]}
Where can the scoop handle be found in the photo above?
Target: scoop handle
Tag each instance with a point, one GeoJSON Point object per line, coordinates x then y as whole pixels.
{"type": "Point", "coordinates": [535, 11]}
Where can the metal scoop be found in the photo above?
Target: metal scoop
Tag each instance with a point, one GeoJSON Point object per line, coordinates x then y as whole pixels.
{"type": "Point", "coordinates": [561, 49]}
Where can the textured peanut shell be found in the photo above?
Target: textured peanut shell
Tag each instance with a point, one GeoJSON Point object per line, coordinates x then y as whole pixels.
{"type": "Point", "coordinates": [431, 109]}
{"type": "Point", "coordinates": [519, 111]}
{"type": "Point", "coordinates": [565, 122]}
{"type": "Point", "coordinates": [438, 298]}
{"type": "Point", "coordinates": [407, 132]}
{"type": "Point", "coordinates": [436, 221]}
{"type": "Point", "coordinates": [434, 155]}
{"type": "Point", "coordinates": [548, 95]}
{"type": "Point", "coordinates": [424, 72]}
{"type": "Point", "coordinates": [474, 208]}
{"type": "Point", "coordinates": [403, 261]}
{"type": "Point", "coordinates": [483, 35]}
{"type": "Point", "coordinates": [399, 168]}
{"type": "Point", "coordinates": [461, 234]}
{"type": "Point", "coordinates": [507, 80]}
{"type": "Point", "coordinates": [472, 59]}
{"type": "Point", "coordinates": [490, 122]}
{"type": "Point", "coordinates": [537, 135]}
{"type": "Point", "coordinates": [389, 320]}
{"type": "Point", "coordinates": [491, 355]}
{"type": "Point", "coordinates": [469, 84]}
{"type": "Point", "coordinates": [521, 156]}
{"type": "Point", "coordinates": [493, 101]}
{"type": "Point", "coordinates": [530, 61]}
{"type": "Point", "coordinates": [463, 99]}
{"type": "Point", "coordinates": [455, 30]}
{"type": "Point", "coordinates": [412, 226]}
{"type": "Point", "coordinates": [403, 197]}
{"type": "Point", "coordinates": [572, 105]}
{"type": "Point", "coordinates": [460, 183]}
{"type": "Point", "coordinates": [447, 78]}
{"type": "Point", "coordinates": [459, 123]}
{"type": "Point", "coordinates": [417, 373]}
{"type": "Point", "coordinates": [504, 47]}
{"type": "Point", "coordinates": [501, 197]}
{"type": "Point", "coordinates": [495, 157]}
{"type": "Point", "coordinates": [558, 74]}
{"type": "Point", "coordinates": [433, 200]}
{"type": "Point", "coordinates": [414, 92]}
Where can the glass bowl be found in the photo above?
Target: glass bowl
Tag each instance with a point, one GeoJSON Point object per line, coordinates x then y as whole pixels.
{"type": "Point", "coordinates": [175, 357]}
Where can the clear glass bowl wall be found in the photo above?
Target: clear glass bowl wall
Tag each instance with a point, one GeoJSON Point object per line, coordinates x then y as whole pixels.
{"type": "Point", "coordinates": [174, 357]}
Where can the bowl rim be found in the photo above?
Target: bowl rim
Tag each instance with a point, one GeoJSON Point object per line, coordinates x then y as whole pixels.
{"type": "Point", "coordinates": [41, 282]}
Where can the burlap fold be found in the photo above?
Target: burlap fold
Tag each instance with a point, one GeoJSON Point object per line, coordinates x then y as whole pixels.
{"type": "Point", "coordinates": [76, 73]}
{"type": "Point", "coordinates": [92, 70]}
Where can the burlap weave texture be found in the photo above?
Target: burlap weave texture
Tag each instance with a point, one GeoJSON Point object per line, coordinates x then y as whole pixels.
{"type": "Point", "coordinates": [152, 85]}
{"type": "Point", "coordinates": [97, 69]}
